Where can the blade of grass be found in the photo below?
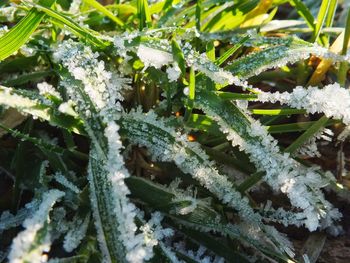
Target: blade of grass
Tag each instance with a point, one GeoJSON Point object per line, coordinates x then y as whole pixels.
{"type": "Point", "coordinates": [329, 20]}
{"type": "Point", "coordinates": [20, 33]}
{"type": "Point", "coordinates": [143, 14]}
{"type": "Point", "coordinates": [344, 66]}
{"type": "Point", "coordinates": [192, 88]}
{"type": "Point", "coordinates": [65, 22]}
{"type": "Point", "coordinates": [321, 17]}
{"type": "Point", "coordinates": [210, 50]}
{"type": "Point", "coordinates": [236, 96]}
{"type": "Point", "coordinates": [277, 111]}
{"type": "Point", "coordinates": [231, 51]}
{"type": "Point", "coordinates": [304, 12]}
{"type": "Point", "coordinates": [198, 14]}
{"type": "Point", "coordinates": [313, 129]}
{"type": "Point", "coordinates": [295, 127]}
{"type": "Point", "coordinates": [178, 56]}
{"type": "Point", "coordinates": [105, 11]}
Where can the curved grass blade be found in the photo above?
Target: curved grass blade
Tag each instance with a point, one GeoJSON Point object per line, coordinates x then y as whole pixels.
{"type": "Point", "coordinates": [304, 12]}
{"type": "Point", "coordinates": [321, 17]}
{"type": "Point", "coordinates": [34, 104]}
{"type": "Point", "coordinates": [67, 23]}
{"type": "Point", "coordinates": [20, 33]}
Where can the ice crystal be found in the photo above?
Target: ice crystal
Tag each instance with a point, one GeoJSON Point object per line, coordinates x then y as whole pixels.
{"type": "Point", "coordinates": [60, 178]}
{"type": "Point", "coordinates": [102, 86]}
{"type": "Point", "coordinates": [173, 72]}
{"type": "Point", "coordinates": [332, 100]}
{"type": "Point", "coordinates": [201, 63]}
{"type": "Point", "coordinates": [8, 220]}
{"type": "Point", "coordinates": [76, 233]}
{"type": "Point", "coordinates": [47, 89]}
{"type": "Point", "coordinates": [21, 248]}
{"type": "Point", "coordinates": [309, 148]}
{"type": "Point", "coordinates": [74, 6]}
{"type": "Point", "coordinates": [278, 56]}
{"type": "Point", "coordinates": [200, 255]}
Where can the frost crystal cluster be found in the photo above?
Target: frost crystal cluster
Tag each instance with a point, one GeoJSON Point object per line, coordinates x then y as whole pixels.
{"type": "Point", "coordinates": [332, 100]}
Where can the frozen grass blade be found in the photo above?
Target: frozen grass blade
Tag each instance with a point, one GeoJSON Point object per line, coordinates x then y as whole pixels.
{"type": "Point", "coordinates": [105, 11]}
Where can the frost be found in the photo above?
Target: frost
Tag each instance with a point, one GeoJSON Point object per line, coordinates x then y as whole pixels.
{"type": "Point", "coordinates": [197, 164]}
{"type": "Point", "coordinates": [173, 72]}
{"type": "Point", "coordinates": [301, 184]}
{"type": "Point", "coordinates": [60, 178]}
{"type": "Point", "coordinates": [332, 100]}
{"type": "Point", "coordinates": [154, 57]}
{"type": "Point", "coordinates": [21, 248]}
{"type": "Point", "coordinates": [102, 86]}
{"type": "Point", "coordinates": [200, 255]}
{"type": "Point", "coordinates": [7, 220]}
{"type": "Point", "coordinates": [46, 88]}
{"type": "Point", "coordinates": [124, 210]}
{"type": "Point", "coordinates": [76, 233]}
{"type": "Point", "coordinates": [75, 6]}
{"type": "Point", "coordinates": [200, 62]}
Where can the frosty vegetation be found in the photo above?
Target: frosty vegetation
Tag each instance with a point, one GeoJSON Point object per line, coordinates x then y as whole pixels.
{"type": "Point", "coordinates": [145, 123]}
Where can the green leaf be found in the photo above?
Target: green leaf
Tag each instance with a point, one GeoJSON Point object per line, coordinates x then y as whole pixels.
{"type": "Point", "coordinates": [277, 112]}
{"type": "Point", "coordinates": [25, 78]}
{"type": "Point", "coordinates": [20, 33]}
{"type": "Point", "coordinates": [295, 127]}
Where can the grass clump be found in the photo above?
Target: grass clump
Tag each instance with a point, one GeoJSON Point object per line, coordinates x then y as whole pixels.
{"type": "Point", "coordinates": [169, 131]}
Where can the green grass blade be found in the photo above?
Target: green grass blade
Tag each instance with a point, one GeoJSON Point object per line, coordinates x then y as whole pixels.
{"type": "Point", "coordinates": [143, 14]}
{"type": "Point", "coordinates": [231, 51]}
{"type": "Point", "coordinates": [331, 13]}
{"type": "Point", "coordinates": [191, 94]}
{"type": "Point", "coordinates": [105, 11]}
{"type": "Point", "coordinates": [178, 56]}
{"type": "Point", "coordinates": [344, 66]}
{"type": "Point", "coordinates": [314, 128]}
{"type": "Point", "coordinates": [231, 17]}
{"type": "Point", "coordinates": [23, 79]}
{"type": "Point", "coordinates": [277, 112]}
{"type": "Point", "coordinates": [20, 33]}
{"type": "Point", "coordinates": [295, 127]}
{"type": "Point", "coordinates": [304, 12]}
{"type": "Point", "coordinates": [321, 17]}
{"type": "Point", "coordinates": [67, 23]}
{"type": "Point", "coordinates": [347, 34]}
{"type": "Point", "coordinates": [198, 14]}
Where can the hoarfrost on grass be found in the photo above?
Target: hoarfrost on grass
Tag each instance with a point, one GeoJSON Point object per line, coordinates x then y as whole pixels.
{"type": "Point", "coordinates": [27, 245]}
